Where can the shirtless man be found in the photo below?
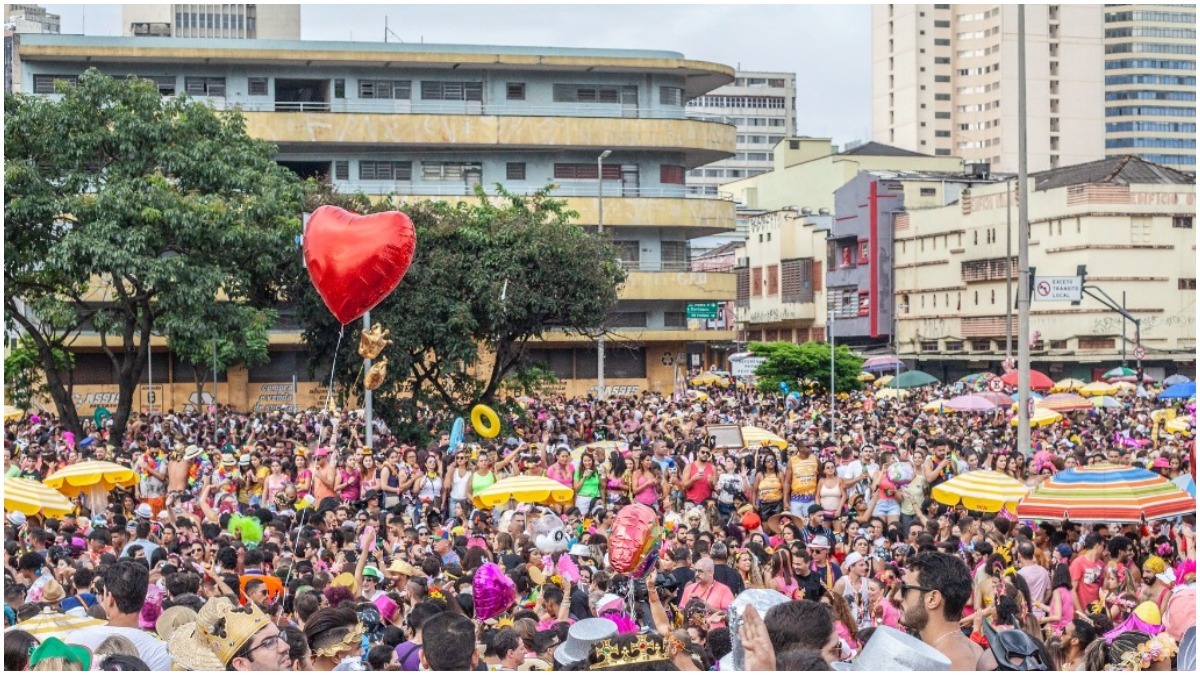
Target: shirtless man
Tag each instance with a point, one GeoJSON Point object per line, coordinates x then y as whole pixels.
{"type": "Point", "coordinates": [177, 474]}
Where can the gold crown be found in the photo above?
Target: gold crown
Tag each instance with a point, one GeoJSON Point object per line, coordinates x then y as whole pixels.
{"type": "Point", "coordinates": [349, 641]}
{"type": "Point", "coordinates": [645, 649]}
{"type": "Point", "coordinates": [506, 622]}
{"type": "Point", "coordinates": [226, 629]}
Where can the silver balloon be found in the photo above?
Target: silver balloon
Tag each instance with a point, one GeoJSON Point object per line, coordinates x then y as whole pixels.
{"type": "Point", "coordinates": [763, 600]}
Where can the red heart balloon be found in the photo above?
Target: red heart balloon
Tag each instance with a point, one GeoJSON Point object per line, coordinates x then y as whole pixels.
{"type": "Point", "coordinates": [356, 261]}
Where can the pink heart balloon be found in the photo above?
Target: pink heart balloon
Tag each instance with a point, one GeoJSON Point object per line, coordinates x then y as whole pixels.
{"type": "Point", "coordinates": [493, 592]}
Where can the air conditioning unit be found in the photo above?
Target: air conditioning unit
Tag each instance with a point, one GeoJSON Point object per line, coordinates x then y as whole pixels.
{"type": "Point", "coordinates": [147, 29]}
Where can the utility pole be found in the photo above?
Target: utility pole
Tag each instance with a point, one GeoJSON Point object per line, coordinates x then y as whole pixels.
{"type": "Point", "coordinates": [600, 230]}
{"type": "Point", "coordinates": [832, 382]}
{"type": "Point", "coordinates": [1008, 303]}
{"type": "Point", "coordinates": [1023, 436]}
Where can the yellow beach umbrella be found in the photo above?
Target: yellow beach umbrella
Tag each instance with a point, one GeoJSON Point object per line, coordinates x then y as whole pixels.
{"type": "Point", "coordinates": [1069, 384]}
{"type": "Point", "coordinates": [866, 377]}
{"type": "Point", "coordinates": [12, 412]}
{"type": "Point", "coordinates": [891, 393]}
{"type": "Point", "coordinates": [526, 490]}
{"type": "Point", "coordinates": [883, 381]}
{"type": "Point", "coordinates": [936, 405]}
{"type": "Point", "coordinates": [90, 476]}
{"type": "Point", "coordinates": [31, 497]}
{"type": "Point", "coordinates": [982, 490]}
{"type": "Point", "coordinates": [1042, 417]}
{"type": "Point", "coordinates": [50, 624]}
{"type": "Point", "coordinates": [1098, 389]}
{"type": "Point", "coordinates": [753, 436]}
{"type": "Point", "coordinates": [1164, 415]}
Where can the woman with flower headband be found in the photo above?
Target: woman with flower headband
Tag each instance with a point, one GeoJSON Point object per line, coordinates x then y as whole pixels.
{"type": "Point", "coordinates": [1117, 597]}
{"type": "Point", "coordinates": [1132, 650]}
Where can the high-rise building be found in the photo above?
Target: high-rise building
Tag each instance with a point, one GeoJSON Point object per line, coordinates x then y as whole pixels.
{"type": "Point", "coordinates": [406, 120]}
{"type": "Point", "coordinates": [31, 19]}
{"type": "Point", "coordinates": [19, 19]}
{"type": "Point", "coordinates": [762, 105]}
{"type": "Point", "coordinates": [944, 82]}
{"type": "Point", "coordinates": [1150, 83]}
{"type": "Point", "coordinates": [232, 21]}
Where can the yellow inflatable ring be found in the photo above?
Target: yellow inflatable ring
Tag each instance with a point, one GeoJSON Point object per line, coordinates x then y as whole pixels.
{"type": "Point", "coordinates": [485, 421]}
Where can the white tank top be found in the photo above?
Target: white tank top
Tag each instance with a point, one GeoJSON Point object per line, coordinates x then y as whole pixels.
{"type": "Point", "coordinates": [459, 485]}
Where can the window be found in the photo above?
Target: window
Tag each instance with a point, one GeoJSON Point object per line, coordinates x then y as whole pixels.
{"type": "Point", "coordinates": [585, 171]}
{"type": "Point", "coordinates": [628, 251]}
{"type": "Point", "coordinates": [384, 170]}
{"type": "Point", "coordinates": [595, 93]}
{"type": "Point", "coordinates": [514, 171]}
{"type": "Point", "coordinates": [756, 282]}
{"type": "Point", "coordinates": [626, 320]}
{"type": "Point", "coordinates": [1058, 344]}
{"type": "Point", "coordinates": [1187, 284]}
{"type": "Point", "coordinates": [165, 83]}
{"type": "Point", "coordinates": [742, 275]}
{"type": "Point", "coordinates": [772, 280]}
{"type": "Point", "coordinates": [385, 89]}
{"type": "Point", "coordinates": [257, 86]}
{"type": "Point", "coordinates": [515, 91]}
{"type": "Point", "coordinates": [1182, 222]}
{"type": "Point", "coordinates": [981, 345]}
{"type": "Point", "coordinates": [450, 171]}
{"type": "Point", "coordinates": [864, 252]}
{"type": "Point", "coordinates": [339, 88]}
{"type": "Point", "coordinates": [928, 192]}
{"type": "Point", "coordinates": [675, 255]}
{"type": "Point", "coordinates": [341, 170]}
{"type": "Point", "coordinates": [670, 95]}
{"type": "Point", "coordinates": [954, 345]}
{"type": "Point", "coordinates": [1097, 343]}
{"type": "Point", "coordinates": [672, 175]}
{"type": "Point", "coordinates": [676, 320]}
{"type": "Point", "coordinates": [204, 86]}
{"type": "Point", "coordinates": [451, 91]}
{"type": "Point", "coordinates": [929, 346]}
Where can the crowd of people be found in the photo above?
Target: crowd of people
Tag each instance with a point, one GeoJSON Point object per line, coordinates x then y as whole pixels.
{"type": "Point", "coordinates": [284, 541]}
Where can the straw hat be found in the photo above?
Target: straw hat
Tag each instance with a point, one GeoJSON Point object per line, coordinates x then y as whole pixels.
{"type": "Point", "coordinates": [189, 651]}
{"type": "Point", "coordinates": [172, 619]}
{"type": "Point", "coordinates": [239, 626]}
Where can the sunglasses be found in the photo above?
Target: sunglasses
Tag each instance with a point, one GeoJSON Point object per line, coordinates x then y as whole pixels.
{"type": "Point", "coordinates": [905, 588]}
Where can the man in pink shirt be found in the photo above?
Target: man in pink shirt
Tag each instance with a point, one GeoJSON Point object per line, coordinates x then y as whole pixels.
{"type": "Point", "coordinates": [713, 593]}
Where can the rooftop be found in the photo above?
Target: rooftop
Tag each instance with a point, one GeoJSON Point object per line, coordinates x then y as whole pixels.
{"type": "Point", "coordinates": [1126, 170]}
{"type": "Point", "coordinates": [874, 149]}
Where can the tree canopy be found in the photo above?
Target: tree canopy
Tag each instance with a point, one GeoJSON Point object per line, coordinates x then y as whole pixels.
{"type": "Point", "coordinates": [808, 363]}
{"type": "Point", "coordinates": [128, 214]}
{"type": "Point", "coordinates": [488, 277]}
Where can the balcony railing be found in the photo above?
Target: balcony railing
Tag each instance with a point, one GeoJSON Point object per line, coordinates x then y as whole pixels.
{"type": "Point", "coordinates": [673, 266]}
{"type": "Point", "coordinates": [417, 107]}
{"type": "Point", "coordinates": [583, 189]}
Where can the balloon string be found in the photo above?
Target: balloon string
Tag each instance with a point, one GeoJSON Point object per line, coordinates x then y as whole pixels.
{"type": "Point", "coordinates": [333, 367]}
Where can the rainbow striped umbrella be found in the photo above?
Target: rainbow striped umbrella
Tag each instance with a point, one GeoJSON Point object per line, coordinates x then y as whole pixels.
{"type": "Point", "coordinates": [981, 490]}
{"type": "Point", "coordinates": [1106, 493]}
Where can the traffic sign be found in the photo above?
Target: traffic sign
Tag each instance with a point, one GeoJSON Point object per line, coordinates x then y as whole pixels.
{"type": "Point", "coordinates": [996, 384]}
{"type": "Point", "coordinates": [1139, 352]}
{"type": "Point", "coordinates": [745, 367]}
{"type": "Point", "coordinates": [705, 310]}
{"type": "Point", "coordinates": [1058, 289]}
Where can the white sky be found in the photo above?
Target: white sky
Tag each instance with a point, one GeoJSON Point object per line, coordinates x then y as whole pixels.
{"type": "Point", "coordinates": [827, 46]}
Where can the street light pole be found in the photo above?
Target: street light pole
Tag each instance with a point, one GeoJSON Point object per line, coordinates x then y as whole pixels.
{"type": "Point", "coordinates": [1023, 436]}
{"type": "Point", "coordinates": [367, 402]}
{"type": "Point", "coordinates": [1008, 304]}
{"type": "Point", "coordinates": [600, 230]}
{"type": "Point", "coordinates": [832, 383]}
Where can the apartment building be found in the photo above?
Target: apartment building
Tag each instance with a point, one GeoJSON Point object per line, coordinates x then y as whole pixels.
{"type": "Point", "coordinates": [24, 18]}
{"type": "Point", "coordinates": [433, 122]}
{"type": "Point", "coordinates": [762, 105]}
{"type": "Point", "coordinates": [1150, 83]}
{"type": "Point", "coordinates": [218, 21]}
{"type": "Point", "coordinates": [1129, 221]}
{"type": "Point", "coordinates": [944, 82]}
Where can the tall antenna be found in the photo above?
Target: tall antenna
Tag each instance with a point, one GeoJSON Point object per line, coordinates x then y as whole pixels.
{"type": "Point", "coordinates": [388, 31]}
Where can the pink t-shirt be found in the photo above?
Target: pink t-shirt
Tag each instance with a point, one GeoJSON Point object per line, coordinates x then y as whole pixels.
{"type": "Point", "coordinates": [788, 589]}
{"type": "Point", "coordinates": [558, 474]}
{"type": "Point", "coordinates": [717, 596]}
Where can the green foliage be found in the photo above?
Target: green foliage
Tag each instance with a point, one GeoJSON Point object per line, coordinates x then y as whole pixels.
{"type": "Point", "coordinates": [127, 213]}
{"type": "Point", "coordinates": [487, 278]}
{"type": "Point", "coordinates": [809, 362]}
{"type": "Point", "coordinates": [227, 333]}
{"type": "Point", "coordinates": [23, 380]}
{"type": "Point", "coordinates": [529, 379]}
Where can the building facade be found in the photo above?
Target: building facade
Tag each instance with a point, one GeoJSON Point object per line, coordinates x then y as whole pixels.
{"type": "Point", "coordinates": [1150, 83]}
{"type": "Point", "coordinates": [19, 19]}
{"type": "Point", "coordinates": [944, 82]}
{"type": "Point", "coordinates": [219, 21]}
{"type": "Point", "coordinates": [762, 105]}
{"type": "Point", "coordinates": [1130, 222]}
{"type": "Point", "coordinates": [434, 121]}
{"type": "Point", "coordinates": [781, 278]}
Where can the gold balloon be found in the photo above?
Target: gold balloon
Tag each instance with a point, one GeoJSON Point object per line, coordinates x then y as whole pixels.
{"type": "Point", "coordinates": [372, 342]}
{"type": "Point", "coordinates": [376, 374]}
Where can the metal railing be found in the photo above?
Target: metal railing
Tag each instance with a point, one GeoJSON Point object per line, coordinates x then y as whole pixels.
{"type": "Point", "coordinates": [418, 107]}
{"type": "Point", "coordinates": [672, 266]}
{"type": "Point", "coordinates": [458, 189]}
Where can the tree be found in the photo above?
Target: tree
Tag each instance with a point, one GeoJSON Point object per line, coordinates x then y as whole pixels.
{"type": "Point", "coordinates": [809, 362]}
{"type": "Point", "coordinates": [126, 214]}
{"type": "Point", "coordinates": [220, 336]}
{"type": "Point", "coordinates": [23, 380]}
{"type": "Point", "coordinates": [487, 278]}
